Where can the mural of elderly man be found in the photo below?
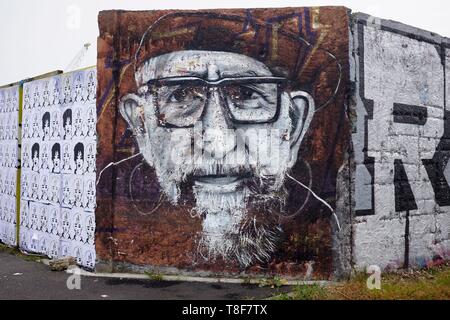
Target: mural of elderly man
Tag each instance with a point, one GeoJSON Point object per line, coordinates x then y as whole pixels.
{"type": "Point", "coordinates": [220, 116]}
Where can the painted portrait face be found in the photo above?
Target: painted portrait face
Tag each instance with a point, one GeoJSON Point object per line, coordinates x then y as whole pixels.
{"type": "Point", "coordinates": [78, 192]}
{"type": "Point", "coordinates": [9, 213]}
{"type": "Point", "coordinates": [64, 249]}
{"type": "Point", "coordinates": [68, 127]}
{"type": "Point", "coordinates": [43, 219]}
{"type": "Point", "coordinates": [15, 100]}
{"type": "Point", "coordinates": [36, 97]}
{"type": "Point", "coordinates": [4, 210]}
{"type": "Point", "coordinates": [66, 193]}
{"type": "Point", "coordinates": [78, 255]}
{"type": "Point", "coordinates": [13, 155]}
{"type": "Point", "coordinates": [65, 225]}
{"type": "Point", "coordinates": [90, 195]}
{"type": "Point", "coordinates": [25, 126]}
{"type": "Point", "coordinates": [56, 161]}
{"type": "Point", "coordinates": [91, 122]}
{"type": "Point", "coordinates": [89, 259]}
{"type": "Point", "coordinates": [54, 189]}
{"type": "Point", "coordinates": [79, 161]}
{"type": "Point", "coordinates": [54, 221]}
{"type": "Point", "coordinates": [24, 185]}
{"type": "Point", "coordinates": [34, 244]}
{"type": "Point", "coordinates": [44, 188]}
{"type": "Point", "coordinates": [12, 211]}
{"type": "Point", "coordinates": [78, 123]}
{"type": "Point", "coordinates": [90, 230]}
{"type": "Point", "coordinates": [7, 187]}
{"type": "Point", "coordinates": [25, 156]}
{"type": "Point", "coordinates": [55, 124]}
{"type": "Point", "coordinates": [67, 91]}
{"type": "Point", "coordinates": [91, 86]}
{"type": "Point", "coordinates": [66, 156]}
{"type": "Point", "coordinates": [34, 216]}
{"type": "Point", "coordinates": [8, 101]}
{"type": "Point", "coordinates": [53, 253]}
{"type": "Point", "coordinates": [90, 158]}
{"type": "Point", "coordinates": [34, 186]}
{"type": "Point", "coordinates": [77, 228]}
{"type": "Point", "coordinates": [78, 88]}
{"type": "Point", "coordinates": [14, 133]}
{"type": "Point", "coordinates": [46, 94]}
{"type": "Point", "coordinates": [56, 92]}
{"type": "Point", "coordinates": [36, 159]}
{"type": "Point", "coordinates": [223, 127]}
{"type": "Point", "coordinates": [36, 133]}
{"type": "Point", "coordinates": [24, 216]}
{"type": "Point", "coordinates": [43, 245]}
{"type": "Point", "coordinates": [7, 159]}
{"type": "Point", "coordinates": [2, 213]}
{"type": "Point", "coordinates": [45, 157]}
{"type": "Point", "coordinates": [26, 97]}
{"type": "Point", "coordinates": [46, 128]}
{"type": "Point", "coordinates": [7, 132]}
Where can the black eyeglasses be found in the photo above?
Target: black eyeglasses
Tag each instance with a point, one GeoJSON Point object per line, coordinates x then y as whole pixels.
{"type": "Point", "coordinates": [181, 101]}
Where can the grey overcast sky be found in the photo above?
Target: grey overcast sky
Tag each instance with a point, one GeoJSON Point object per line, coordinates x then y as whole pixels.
{"type": "Point", "coordinates": [45, 35]}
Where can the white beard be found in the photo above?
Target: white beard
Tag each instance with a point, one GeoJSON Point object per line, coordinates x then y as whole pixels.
{"type": "Point", "coordinates": [230, 232]}
{"type": "Point", "coordinates": [222, 215]}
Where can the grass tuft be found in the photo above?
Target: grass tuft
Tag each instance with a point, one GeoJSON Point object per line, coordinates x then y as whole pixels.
{"type": "Point", "coordinates": [426, 284]}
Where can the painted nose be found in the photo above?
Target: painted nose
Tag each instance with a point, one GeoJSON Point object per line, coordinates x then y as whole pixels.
{"type": "Point", "coordinates": [218, 138]}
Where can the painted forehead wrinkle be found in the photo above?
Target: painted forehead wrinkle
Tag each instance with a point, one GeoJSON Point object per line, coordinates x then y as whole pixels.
{"type": "Point", "coordinates": [196, 63]}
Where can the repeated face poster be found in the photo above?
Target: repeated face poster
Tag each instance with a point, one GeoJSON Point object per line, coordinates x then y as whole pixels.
{"type": "Point", "coordinates": [9, 124]}
{"type": "Point", "coordinates": [58, 166]}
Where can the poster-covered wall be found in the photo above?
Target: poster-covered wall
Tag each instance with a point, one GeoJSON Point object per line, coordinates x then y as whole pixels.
{"type": "Point", "coordinates": [58, 166]}
{"type": "Point", "coordinates": [9, 124]}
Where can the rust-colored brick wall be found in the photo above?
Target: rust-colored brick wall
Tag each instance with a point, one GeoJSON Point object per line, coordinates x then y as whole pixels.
{"type": "Point", "coordinates": [136, 224]}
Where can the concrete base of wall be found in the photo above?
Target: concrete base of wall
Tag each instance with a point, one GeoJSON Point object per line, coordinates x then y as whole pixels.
{"type": "Point", "coordinates": [204, 279]}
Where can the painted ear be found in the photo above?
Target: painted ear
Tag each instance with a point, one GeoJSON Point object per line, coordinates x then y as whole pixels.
{"type": "Point", "coordinates": [131, 110]}
{"type": "Point", "coordinates": [301, 114]}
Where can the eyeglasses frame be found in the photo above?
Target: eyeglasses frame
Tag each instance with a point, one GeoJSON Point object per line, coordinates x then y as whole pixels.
{"type": "Point", "coordinates": [280, 81]}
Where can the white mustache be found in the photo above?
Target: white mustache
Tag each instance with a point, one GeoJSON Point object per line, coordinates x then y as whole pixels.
{"type": "Point", "coordinates": [218, 169]}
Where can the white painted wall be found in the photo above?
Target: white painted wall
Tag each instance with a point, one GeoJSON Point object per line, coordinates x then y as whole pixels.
{"type": "Point", "coordinates": [399, 69]}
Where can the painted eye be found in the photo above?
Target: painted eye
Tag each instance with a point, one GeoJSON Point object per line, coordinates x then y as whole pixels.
{"type": "Point", "coordinates": [179, 95]}
{"type": "Point", "coordinates": [244, 93]}
{"type": "Point", "coordinates": [185, 95]}
{"type": "Point", "coordinates": [244, 97]}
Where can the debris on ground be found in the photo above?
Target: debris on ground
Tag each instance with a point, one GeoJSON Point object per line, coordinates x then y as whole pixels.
{"type": "Point", "coordinates": [62, 264]}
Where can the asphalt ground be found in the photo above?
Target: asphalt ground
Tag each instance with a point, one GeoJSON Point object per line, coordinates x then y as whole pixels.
{"type": "Point", "coordinates": [23, 279]}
